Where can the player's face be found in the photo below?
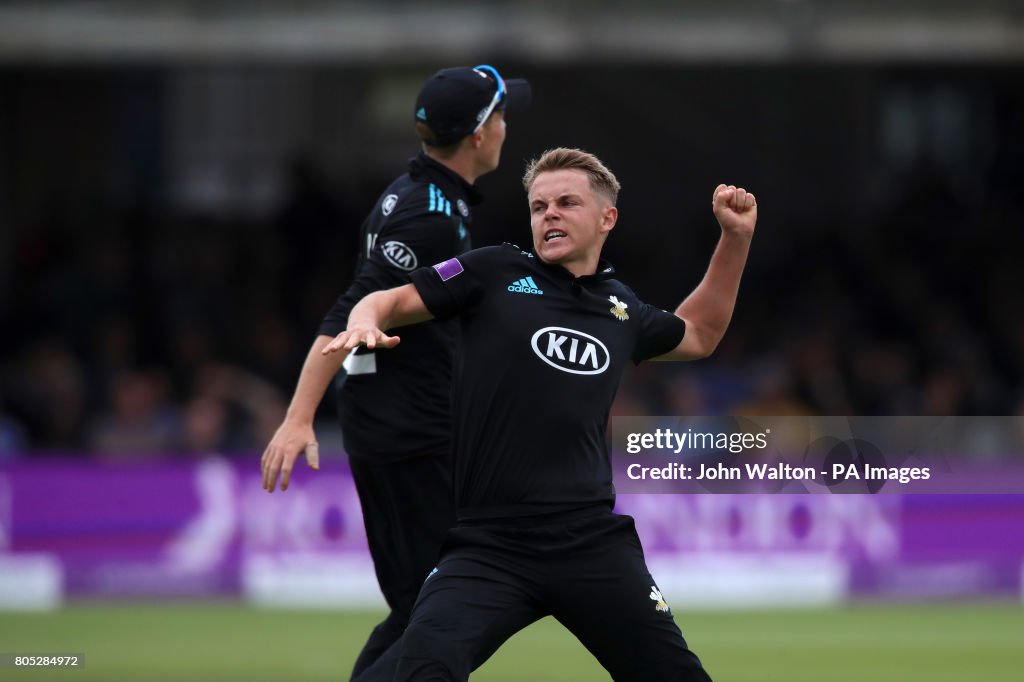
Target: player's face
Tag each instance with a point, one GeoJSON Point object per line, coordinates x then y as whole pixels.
{"type": "Point", "coordinates": [568, 219]}
{"type": "Point", "coordinates": [492, 140]}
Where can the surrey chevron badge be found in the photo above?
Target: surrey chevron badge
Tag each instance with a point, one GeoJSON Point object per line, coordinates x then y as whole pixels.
{"type": "Point", "coordinates": [660, 603]}
{"type": "Point", "coordinates": [618, 308]}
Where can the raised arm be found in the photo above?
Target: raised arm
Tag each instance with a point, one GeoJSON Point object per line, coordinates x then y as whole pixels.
{"type": "Point", "coordinates": [380, 310]}
{"type": "Point", "coordinates": [708, 309]}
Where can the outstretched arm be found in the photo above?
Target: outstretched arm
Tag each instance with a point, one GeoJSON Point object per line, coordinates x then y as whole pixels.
{"type": "Point", "coordinates": [708, 309]}
{"type": "Point", "coordinates": [380, 310]}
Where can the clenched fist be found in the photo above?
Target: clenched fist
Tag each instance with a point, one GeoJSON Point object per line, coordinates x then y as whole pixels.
{"type": "Point", "coordinates": [736, 209]}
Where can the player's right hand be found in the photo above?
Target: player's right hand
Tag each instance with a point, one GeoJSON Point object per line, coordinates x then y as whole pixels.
{"type": "Point", "coordinates": [290, 441]}
{"type": "Point", "coordinates": [371, 337]}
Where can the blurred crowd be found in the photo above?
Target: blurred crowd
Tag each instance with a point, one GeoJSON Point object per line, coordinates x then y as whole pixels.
{"type": "Point", "coordinates": [134, 333]}
{"type": "Point", "coordinates": [916, 313]}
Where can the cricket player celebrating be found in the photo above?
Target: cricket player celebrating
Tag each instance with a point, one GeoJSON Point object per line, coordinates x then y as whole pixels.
{"type": "Point", "coordinates": [546, 336]}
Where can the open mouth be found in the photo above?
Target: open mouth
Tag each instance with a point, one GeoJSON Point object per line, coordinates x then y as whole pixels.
{"type": "Point", "coordinates": [552, 235]}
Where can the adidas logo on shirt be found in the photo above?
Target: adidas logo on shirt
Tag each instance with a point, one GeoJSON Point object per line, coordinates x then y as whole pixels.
{"type": "Point", "coordinates": [525, 286]}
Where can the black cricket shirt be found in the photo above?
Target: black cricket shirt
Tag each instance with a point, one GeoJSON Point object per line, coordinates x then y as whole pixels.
{"type": "Point", "coordinates": [395, 404]}
{"type": "Point", "coordinates": [541, 357]}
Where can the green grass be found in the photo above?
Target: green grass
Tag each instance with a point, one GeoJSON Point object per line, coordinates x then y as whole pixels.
{"type": "Point", "coordinates": [213, 642]}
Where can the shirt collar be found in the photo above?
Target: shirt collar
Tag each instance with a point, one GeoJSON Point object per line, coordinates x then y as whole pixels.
{"type": "Point", "coordinates": [605, 270]}
{"type": "Point", "coordinates": [454, 186]}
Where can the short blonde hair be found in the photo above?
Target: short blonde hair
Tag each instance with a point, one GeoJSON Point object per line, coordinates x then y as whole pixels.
{"type": "Point", "coordinates": [601, 179]}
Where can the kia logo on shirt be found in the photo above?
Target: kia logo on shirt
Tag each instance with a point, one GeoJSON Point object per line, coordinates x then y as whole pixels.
{"type": "Point", "coordinates": [570, 351]}
{"type": "Point", "coordinates": [399, 255]}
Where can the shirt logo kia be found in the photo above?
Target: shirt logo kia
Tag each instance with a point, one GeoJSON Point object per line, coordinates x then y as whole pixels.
{"type": "Point", "coordinates": [399, 255]}
{"type": "Point", "coordinates": [570, 351]}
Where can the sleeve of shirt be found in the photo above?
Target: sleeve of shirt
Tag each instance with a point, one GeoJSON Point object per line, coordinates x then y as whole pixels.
{"type": "Point", "coordinates": [660, 332]}
{"type": "Point", "coordinates": [398, 251]}
{"type": "Point", "coordinates": [453, 285]}
{"type": "Point", "coordinates": [409, 244]}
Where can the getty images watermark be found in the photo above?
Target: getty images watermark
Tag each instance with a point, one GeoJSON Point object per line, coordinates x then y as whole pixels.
{"type": "Point", "coordinates": [818, 454]}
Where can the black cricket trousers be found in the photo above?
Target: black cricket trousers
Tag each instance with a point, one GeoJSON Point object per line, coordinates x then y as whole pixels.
{"type": "Point", "coordinates": [408, 508]}
{"type": "Point", "coordinates": [586, 568]}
